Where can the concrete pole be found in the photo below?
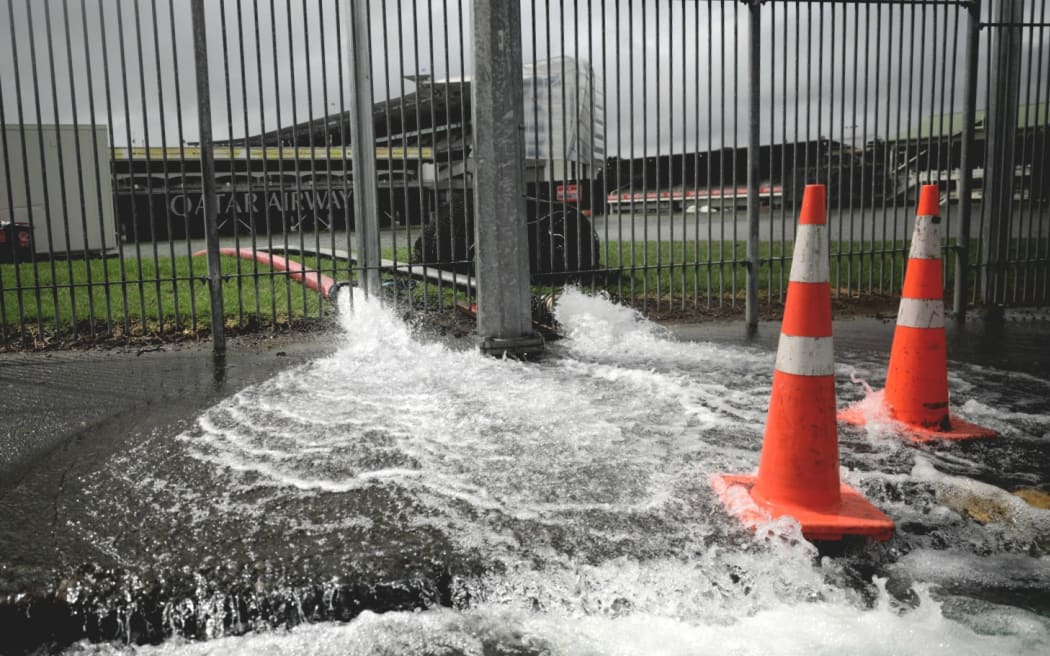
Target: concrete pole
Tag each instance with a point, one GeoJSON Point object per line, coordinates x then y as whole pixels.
{"type": "Point", "coordinates": [363, 148]}
{"type": "Point", "coordinates": [501, 234]}
{"type": "Point", "coordinates": [211, 202]}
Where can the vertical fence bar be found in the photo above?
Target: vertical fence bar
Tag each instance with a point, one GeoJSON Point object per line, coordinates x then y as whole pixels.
{"type": "Point", "coordinates": [722, 158]}
{"type": "Point", "coordinates": [696, 166]}
{"type": "Point", "coordinates": [362, 140]}
{"type": "Point", "coordinates": [879, 151]}
{"type": "Point", "coordinates": [497, 103]}
{"type": "Point", "coordinates": [619, 162]}
{"type": "Point", "coordinates": [631, 148]}
{"type": "Point", "coordinates": [785, 180]}
{"type": "Point", "coordinates": [313, 189]}
{"type": "Point", "coordinates": [962, 245]}
{"type": "Point", "coordinates": [944, 138]}
{"type": "Point", "coordinates": [710, 165]}
{"type": "Point", "coordinates": [468, 213]}
{"type": "Point", "coordinates": [686, 158]}
{"type": "Point", "coordinates": [167, 170]}
{"type": "Point", "coordinates": [346, 184]}
{"type": "Point", "coordinates": [146, 143]}
{"type": "Point", "coordinates": [68, 207]}
{"type": "Point", "coordinates": [1001, 122]}
{"type": "Point", "coordinates": [46, 179]}
{"type": "Point", "coordinates": [132, 184]}
{"type": "Point", "coordinates": [257, 34]}
{"type": "Point", "coordinates": [211, 204]}
{"type": "Point", "coordinates": [439, 229]}
{"type": "Point", "coordinates": [249, 167]}
{"type": "Point", "coordinates": [1026, 270]}
{"type": "Point", "coordinates": [180, 132]}
{"type": "Point", "coordinates": [645, 168]}
{"type": "Point", "coordinates": [282, 151]}
{"type": "Point", "coordinates": [228, 85]}
{"type": "Point", "coordinates": [296, 220]}
{"type": "Point", "coordinates": [754, 100]}
{"type": "Point", "coordinates": [657, 184]}
{"type": "Point", "coordinates": [11, 248]}
{"type": "Point", "coordinates": [734, 263]}
{"type": "Point", "coordinates": [856, 191]}
{"type": "Point", "coordinates": [329, 140]}
{"type": "Point", "coordinates": [906, 61]}
{"type": "Point", "coordinates": [388, 137]}
{"type": "Point", "coordinates": [405, 129]}
{"type": "Point", "coordinates": [107, 86]}
{"type": "Point", "coordinates": [97, 151]}
{"type": "Point", "coordinates": [1039, 167]}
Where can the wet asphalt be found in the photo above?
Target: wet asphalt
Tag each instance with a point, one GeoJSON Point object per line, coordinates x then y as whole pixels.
{"type": "Point", "coordinates": [63, 406]}
{"type": "Point", "coordinates": [63, 415]}
{"type": "Point", "coordinates": [69, 409]}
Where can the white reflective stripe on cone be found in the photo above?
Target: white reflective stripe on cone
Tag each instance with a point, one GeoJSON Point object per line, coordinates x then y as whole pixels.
{"type": "Point", "coordinates": [810, 260]}
{"type": "Point", "coordinates": [805, 356]}
{"type": "Point", "coordinates": [921, 313]}
{"type": "Point", "coordinates": [926, 239]}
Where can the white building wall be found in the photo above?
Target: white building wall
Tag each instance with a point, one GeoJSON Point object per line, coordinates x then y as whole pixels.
{"type": "Point", "coordinates": [59, 223]}
{"type": "Point", "coordinates": [564, 114]}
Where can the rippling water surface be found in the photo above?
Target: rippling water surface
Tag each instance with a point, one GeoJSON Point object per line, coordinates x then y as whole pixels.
{"type": "Point", "coordinates": [565, 505]}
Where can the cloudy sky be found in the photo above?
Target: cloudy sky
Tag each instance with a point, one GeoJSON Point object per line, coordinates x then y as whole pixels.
{"type": "Point", "coordinates": [673, 73]}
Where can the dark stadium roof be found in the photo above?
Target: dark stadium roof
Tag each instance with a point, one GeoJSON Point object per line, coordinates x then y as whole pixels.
{"type": "Point", "coordinates": [417, 118]}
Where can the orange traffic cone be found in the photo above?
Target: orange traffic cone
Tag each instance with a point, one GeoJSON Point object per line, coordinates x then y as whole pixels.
{"type": "Point", "coordinates": [798, 472]}
{"type": "Point", "coordinates": [916, 394]}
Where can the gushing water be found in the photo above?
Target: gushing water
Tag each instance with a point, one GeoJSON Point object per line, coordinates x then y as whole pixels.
{"type": "Point", "coordinates": [567, 504]}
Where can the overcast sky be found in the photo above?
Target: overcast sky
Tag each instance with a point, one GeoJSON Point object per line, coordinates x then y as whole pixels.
{"type": "Point", "coordinates": [673, 73]}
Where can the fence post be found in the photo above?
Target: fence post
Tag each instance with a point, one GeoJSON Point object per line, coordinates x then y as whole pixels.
{"type": "Point", "coordinates": [754, 71]}
{"type": "Point", "coordinates": [1001, 123]}
{"type": "Point", "coordinates": [362, 152]}
{"type": "Point", "coordinates": [211, 203]}
{"type": "Point", "coordinates": [501, 235]}
{"type": "Point", "coordinates": [966, 160]}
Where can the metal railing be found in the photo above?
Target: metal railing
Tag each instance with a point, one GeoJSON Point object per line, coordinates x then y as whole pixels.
{"type": "Point", "coordinates": [665, 147]}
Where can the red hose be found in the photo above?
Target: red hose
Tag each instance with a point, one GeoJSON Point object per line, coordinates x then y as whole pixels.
{"type": "Point", "coordinates": [313, 280]}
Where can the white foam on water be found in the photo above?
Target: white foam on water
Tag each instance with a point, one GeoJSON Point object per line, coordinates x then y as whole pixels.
{"type": "Point", "coordinates": [1013, 520]}
{"type": "Point", "coordinates": [526, 439]}
{"type": "Point", "coordinates": [595, 328]}
{"type": "Point", "coordinates": [1011, 424]}
{"type": "Point", "coordinates": [582, 479]}
{"type": "Point", "coordinates": [806, 629]}
{"type": "Point", "coordinates": [972, 571]}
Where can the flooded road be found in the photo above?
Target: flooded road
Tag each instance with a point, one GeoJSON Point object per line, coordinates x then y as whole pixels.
{"type": "Point", "coordinates": [398, 495]}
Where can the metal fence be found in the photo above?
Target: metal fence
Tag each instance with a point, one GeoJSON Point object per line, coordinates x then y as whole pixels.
{"type": "Point", "coordinates": [157, 183]}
